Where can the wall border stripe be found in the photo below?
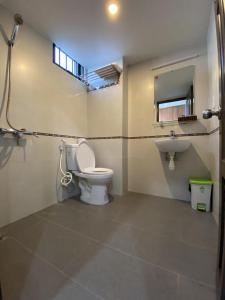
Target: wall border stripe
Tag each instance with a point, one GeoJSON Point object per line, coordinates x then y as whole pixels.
{"type": "Point", "coordinates": [125, 137]}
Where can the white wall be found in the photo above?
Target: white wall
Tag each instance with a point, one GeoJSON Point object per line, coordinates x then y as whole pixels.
{"type": "Point", "coordinates": [44, 98]}
{"type": "Point", "coordinates": [214, 103]}
{"type": "Point", "coordinates": [147, 168]}
{"type": "Point", "coordinates": [106, 119]}
{"type": "Point", "coordinates": [128, 110]}
{"type": "Point", "coordinates": [109, 154]}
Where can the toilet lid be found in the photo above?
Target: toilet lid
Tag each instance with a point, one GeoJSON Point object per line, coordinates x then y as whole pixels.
{"type": "Point", "coordinates": [85, 157]}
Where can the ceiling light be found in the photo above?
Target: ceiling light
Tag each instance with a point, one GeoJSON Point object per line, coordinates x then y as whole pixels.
{"type": "Point", "coordinates": [113, 8]}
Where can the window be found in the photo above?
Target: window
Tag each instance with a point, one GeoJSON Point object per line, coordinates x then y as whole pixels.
{"type": "Point", "coordinates": [68, 64]}
{"type": "Point", "coordinates": [172, 109]}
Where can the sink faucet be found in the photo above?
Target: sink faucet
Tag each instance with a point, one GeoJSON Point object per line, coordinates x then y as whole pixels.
{"type": "Point", "coordinates": [172, 134]}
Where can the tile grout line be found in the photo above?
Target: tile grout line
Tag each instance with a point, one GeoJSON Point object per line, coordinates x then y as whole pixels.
{"type": "Point", "coordinates": [181, 240]}
{"type": "Point", "coordinates": [53, 266]}
{"type": "Point", "coordinates": [41, 217]}
{"type": "Point", "coordinates": [67, 228]}
{"type": "Point", "coordinates": [180, 276]}
{"type": "Point", "coordinates": [126, 253]}
{"type": "Point", "coordinates": [107, 245]}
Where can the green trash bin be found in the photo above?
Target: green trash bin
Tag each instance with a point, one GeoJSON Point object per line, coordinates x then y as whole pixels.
{"type": "Point", "coordinates": [201, 190]}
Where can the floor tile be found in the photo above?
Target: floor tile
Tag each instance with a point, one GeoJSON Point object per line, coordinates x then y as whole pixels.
{"type": "Point", "coordinates": [25, 277]}
{"type": "Point", "coordinates": [150, 220]}
{"type": "Point", "coordinates": [200, 229]}
{"type": "Point", "coordinates": [168, 253]}
{"type": "Point", "coordinates": [92, 225]}
{"type": "Point", "coordinates": [136, 247]}
{"type": "Point", "coordinates": [113, 275]}
{"type": "Point", "coordinates": [17, 228]}
{"type": "Point", "coordinates": [190, 290]}
{"type": "Point", "coordinates": [54, 243]}
{"type": "Point", "coordinates": [169, 217]}
{"type": "Point", "coordinates": [110, 210]}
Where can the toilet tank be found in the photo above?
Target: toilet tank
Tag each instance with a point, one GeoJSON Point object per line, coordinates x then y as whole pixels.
{"type": "Point", "coordinates": [70, 150]}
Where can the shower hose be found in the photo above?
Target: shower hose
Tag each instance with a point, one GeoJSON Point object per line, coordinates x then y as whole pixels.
{"type": "Point", "coordinates": [7, 92]}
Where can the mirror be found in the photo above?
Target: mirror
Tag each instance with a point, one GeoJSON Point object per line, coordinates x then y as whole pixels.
{"type": "Point", "coordinates": [174, 94]}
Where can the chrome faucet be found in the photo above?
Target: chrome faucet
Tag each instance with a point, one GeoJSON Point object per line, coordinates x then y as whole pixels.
{"type": "Point", "coordinates": [172, 134]}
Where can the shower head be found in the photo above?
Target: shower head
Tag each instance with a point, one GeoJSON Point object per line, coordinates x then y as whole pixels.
{"type": "Point", "coordinates": [18, 22]}
{"type": "Point", "coordinates": [18, 19]}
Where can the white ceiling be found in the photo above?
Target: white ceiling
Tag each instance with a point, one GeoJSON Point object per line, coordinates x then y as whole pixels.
{"type": "Point", "coordinates": [145, 29]}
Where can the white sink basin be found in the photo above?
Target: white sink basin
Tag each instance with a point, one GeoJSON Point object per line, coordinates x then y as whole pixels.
{"type": "Point", "coordinates": [172, 145]}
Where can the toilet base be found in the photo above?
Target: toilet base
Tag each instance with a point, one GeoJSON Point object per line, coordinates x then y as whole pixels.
{"type": "Point", "coordinates": [93, 194]}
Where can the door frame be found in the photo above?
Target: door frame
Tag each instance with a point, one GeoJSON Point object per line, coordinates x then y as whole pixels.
{"type": "Point", "coordinates": [220, 28]}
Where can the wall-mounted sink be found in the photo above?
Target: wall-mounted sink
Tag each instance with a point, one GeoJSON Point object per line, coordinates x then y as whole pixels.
{"type": "Point", "coordinates": [171, 146]}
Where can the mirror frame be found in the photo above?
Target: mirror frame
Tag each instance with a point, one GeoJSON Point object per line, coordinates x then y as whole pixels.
{"type": "Point", "coordinates": [156, 104]}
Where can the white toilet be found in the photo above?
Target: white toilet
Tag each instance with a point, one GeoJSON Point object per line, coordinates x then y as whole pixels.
{"type": "Point", "coordinates": [93, 181]}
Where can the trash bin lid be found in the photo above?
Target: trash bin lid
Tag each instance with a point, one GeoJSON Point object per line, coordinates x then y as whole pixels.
{"type": "Point", "coordinates": [200, 181]}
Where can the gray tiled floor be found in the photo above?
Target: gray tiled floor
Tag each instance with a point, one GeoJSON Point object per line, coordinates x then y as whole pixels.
{"type": "Point", "coordinates": [137, 247]}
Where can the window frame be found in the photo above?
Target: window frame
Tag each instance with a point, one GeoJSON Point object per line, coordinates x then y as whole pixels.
{"type": "Point", "coordinates": [75, 65]}
{"type": "Point", "coordinates": [173, 100]}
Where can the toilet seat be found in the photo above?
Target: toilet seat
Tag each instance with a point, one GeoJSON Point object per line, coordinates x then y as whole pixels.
{"type": "Point", "coordinates": [96, 177]}
{"type": "Point", "coordinates": [97, 171]}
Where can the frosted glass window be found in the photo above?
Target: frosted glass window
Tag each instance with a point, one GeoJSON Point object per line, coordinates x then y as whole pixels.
{"type": "Point", "coordinates": [69, 64]}
{"type": "Point", "coordinates": [74, 68]}
{"type": "Point", "coordinates": [62, 59]}
{"type": "Point", "coordinates": [56, 57]}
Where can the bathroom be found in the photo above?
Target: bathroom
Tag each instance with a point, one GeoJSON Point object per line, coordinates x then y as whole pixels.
{"type": "Point", "coordinates": [134, 235]}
